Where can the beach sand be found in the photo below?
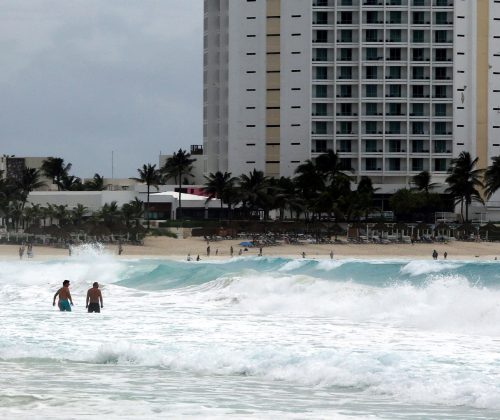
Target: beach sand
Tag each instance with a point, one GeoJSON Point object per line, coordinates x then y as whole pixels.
{"type": "Point", "coordinates": [179, 248]}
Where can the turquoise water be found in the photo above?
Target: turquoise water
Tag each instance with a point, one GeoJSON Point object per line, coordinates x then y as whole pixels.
{"type": "Point", "coordinates": [252, 338]}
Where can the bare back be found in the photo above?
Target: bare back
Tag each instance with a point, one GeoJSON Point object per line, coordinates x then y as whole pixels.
{"type": "Point", "coordinates": [64, 293]}
{"type": "Point", "coordinates": [93, 295]}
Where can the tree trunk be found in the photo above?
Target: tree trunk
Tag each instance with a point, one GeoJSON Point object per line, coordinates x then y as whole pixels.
{"type": "Point", "coordinates": [147, 210]}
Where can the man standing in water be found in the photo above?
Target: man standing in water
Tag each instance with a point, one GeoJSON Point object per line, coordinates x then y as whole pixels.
{"type": "Point", "coordinates": [94, 295]}
{"type": "Point", "coordinates": [64, 298]}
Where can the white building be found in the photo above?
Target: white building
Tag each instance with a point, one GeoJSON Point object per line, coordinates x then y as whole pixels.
{"type": "Point", "coordinates": [394, 86]}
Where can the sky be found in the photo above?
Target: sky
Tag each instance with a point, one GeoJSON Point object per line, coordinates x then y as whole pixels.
{"type": "Point", "coordinates": [85, 79]}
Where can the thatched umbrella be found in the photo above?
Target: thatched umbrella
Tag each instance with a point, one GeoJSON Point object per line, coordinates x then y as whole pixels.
{"type": "Point", "coordinates": [423, 228]}
{"type": "Point", "coordinates": [443, 228]}
{"type": "Point", "coordinates": [489, 229]}
{"type": "Point", "coordinates": [399, 227]}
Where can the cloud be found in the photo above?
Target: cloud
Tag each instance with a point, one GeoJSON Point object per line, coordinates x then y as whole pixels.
{"type": "Point", "coordinates": [83, 78]}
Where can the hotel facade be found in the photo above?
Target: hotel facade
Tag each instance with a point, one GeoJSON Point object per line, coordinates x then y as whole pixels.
{"type": "Point", "coordinates": [395, 87]}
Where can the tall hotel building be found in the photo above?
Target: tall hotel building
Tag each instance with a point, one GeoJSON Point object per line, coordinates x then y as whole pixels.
{"type": "Point", "coordinates": [394, 86]}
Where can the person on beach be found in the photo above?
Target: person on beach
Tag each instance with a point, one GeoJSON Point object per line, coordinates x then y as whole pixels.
{"type": "Point", "coordinates": [21, 252]}
{"type": "Point", "coordinates": [216, 251]}
{"type": "Point", "coordinates": [189, 257]}
{"type": "Point", "coordinates": [70, 251]}
{"type": "Point", "coordinates": [331, 255]}
{"type": "Point", "coordinates": [303, 254]}
{"type": "Point", "coordinates": [208, 251]}
{"type": "Point", "coordinates": [240, 252]}
{"type": "Point", "coordinates": [445, 255]}
{"type": "Point", "coordinates": [434, 255]}
{"type": "Point", "coordinates": [260, 252]}
{"type": "Point", "coordinates": [231, 250]}
{"type": "Point", "coordinates": [120, 249]}
{"type": "Point", "coordinates": [198, 258]}
{"type": "Point", "coordinates": [94, 296]}
{"type": "Point", "coordinates": [64, 298]}
{"type": "Point", "coordinates": [30, 251]}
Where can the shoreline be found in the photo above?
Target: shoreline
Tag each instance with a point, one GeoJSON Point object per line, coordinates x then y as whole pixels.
{"type": "Point", "coordinates": [178, 249]}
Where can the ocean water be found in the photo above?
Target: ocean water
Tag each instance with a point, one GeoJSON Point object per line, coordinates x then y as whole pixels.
{"type": "Point", "coordinates": [251, 338]}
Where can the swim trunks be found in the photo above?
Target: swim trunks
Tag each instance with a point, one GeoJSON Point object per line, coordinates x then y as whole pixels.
{"type": "Point", "coordinates": [64, 305]}
{"type": "Point", "coordinates": [94, 307]}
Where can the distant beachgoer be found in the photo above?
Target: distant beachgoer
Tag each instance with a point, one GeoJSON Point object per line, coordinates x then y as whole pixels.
{"type": "Point", "coordinates": [216, 251]}
{"type": "Point", "coordinates": [30, 251]}
{"type": "Point", "coordinates": [231, 250]}
{"type": "Point", "coordinates": [21, 252]}
{"type": "Point", "coordinates": [445, 254]}
{"type": "Point", "coordinates": [260, 252]}
{"type": "Point", "coordinates": [331, 255]}
{"type": "Point", "coordinates": [240, 252]}
{"type": "Point", "coordinates": [94, 295]}
{"type": "Point", "coordinates": [303, 254]}
{"type": "Point", "coordinates": [434, 255]}
{"type": "Point", "coordinates": [208, 251]}
{"type": "Point", "coordinates": [189, 257]}
{"type": "Point", "coordinates": [64, 298]}
{"type": "Point", "coordinates": [198, 258]}
{"type": "Point", "coordinates": [69, 250]}
{"type": "Point", "coordinates": [120, 249]}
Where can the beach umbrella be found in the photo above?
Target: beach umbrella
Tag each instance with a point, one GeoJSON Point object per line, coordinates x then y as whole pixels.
{"type": "Point", "coordinates": [246, 244]}
{"type": "Point", "coordinates": [336, 230]}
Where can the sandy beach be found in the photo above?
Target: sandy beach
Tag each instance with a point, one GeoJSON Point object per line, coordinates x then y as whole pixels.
{"type": "Point", "coordinates": [179, 249]}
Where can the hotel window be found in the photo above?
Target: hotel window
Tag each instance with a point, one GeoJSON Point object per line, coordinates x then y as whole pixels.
{"type": "Point", "coordinates": [321, 146]}
{"type": "Point", "coordinates": [394, 109]}
{"type": "Point", "coordinates": [439, 146]}
{"type": "Point", "coordinates": [394, 164]}
{"type": "Point", "coordinates": [440, 91]}
{"type": "Point", "coordinates": [440, 165]}
{"type": "Point", "coordinates": [371, 35]}
{"type": "Point", "coordinates": [394, 146]}
{"type": "Point", "coordinates": [418, 36]}
{"type": "Point", "coordinates": [395, 91]}
{"type": "Point", "coordinates": [345, 109]}
{"type": "Point", "coordinates": [418, 18]}
{"type": "Point", "coordinates": [440, 73]}
{"type": "Point", "coordinates": [321, 91]}
{"type": "Point", "coordinates": [345, 54]}
{"type": "Point", "coordinates": [371, 17]}
{"type": "Point", "coordinates": [417, 165]}
{"type": "Point", "coordinates": [346, 18]}
{"type": "Point", "coordinates": [440, 128]}
{"type": "Point", "coordinates": [418, 73]}
{"type": "Point", "coordinates": [345, 35]}
{"type": "Point", "coordinates": [320, 128]}
{"type": "Point", "coordinates": [371, 146]}
{"type": "Point", "coordinates": [441, 54]}
{"type": "Point", "coordinates": [395, 35]}
{"type": "Point", "coordinates": [418, 110]}
{"type": "Point", "coordinates": [440, 36]}
{"type": "Point", "coordinates": [394, 127]}
{"type": "Point", "coordinates": [371, 72]}
{"type": "Point", "coordinates": [345, 164]}
{"type": "Point", "coordinates": [418, 54]}
{"type": "Point", "coordinates": [321, 109]}
{"type": "Point", "coordinates": [417, 127]}
{"type": "Point", "coordinates": [345, 127]}
{"type": "Point", "coordinates": [345, 91]}
{"type": "Point", "coordinates": [417, 146]}
{"type": "Point", "coordinates": [441, 18]}
{"type": "Point", "coordinates": [371, 164]}
{"type": "Point", "coordinates": [321, 73]}
{"type": "Point", "coordinates": [345, 146]}
{"type": "Point", "coordinates": [371, 91]}
{"type": "Point", "coordinates": [440, 110]}
{"type": "Point", "coordinates": [371, 54]}
{"type": "Point", "coordinates": [394, 72]}
{"type": "Point", "coordinates": [371, 127]}
{"type": "Point", "coordinates": [395, 54]}
{"type": "Point", "coordinates": [371, 109]}
{"type": "Point", "coordinates": [417, 91]}
{"type": "Point", "coordinates": [345, 73]}
{"type": "Point", "coordinates": [321, 36]}
{"type": "Point", "coordinates": [395, 17]}
{"type": "Point", "coordinates": [321, 54]}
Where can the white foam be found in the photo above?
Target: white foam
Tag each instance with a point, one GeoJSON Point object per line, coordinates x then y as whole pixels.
{"type": "Point", "coordinates": [420, 267]}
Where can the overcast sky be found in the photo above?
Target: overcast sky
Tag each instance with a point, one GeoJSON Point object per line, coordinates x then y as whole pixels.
{"type": "Point", "coordinates": [82, 78]}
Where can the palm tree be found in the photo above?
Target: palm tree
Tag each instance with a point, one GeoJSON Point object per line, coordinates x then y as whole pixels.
{"type": "Point", "coordinates": [29, 181]}
{"type": "Point", "coordinates": [310, 182]}
{"type": "Point", "coordinates": [329, 164]}
{"type": "Point", "coordinates": [177, 166]}
{"type": "Point", "coordinates": [423, 183]}
{"type": "Point", "coordinates": [464, 181]}
{"type": "Point", "coordinates": [70, 183]}
{"type": "Point", "coordinates": [62, 214]}
{"type": "Point", "coordinates": [132, 210]}
{"type": "Point", "coordinates": [150, 176]}
{"type": "Point", "coordinates": [254, 190]}
{"type": "Point", "coordinates": [78, 214]}
{"type": "Point", "coordinates": [95, 184]}
{"type": "Point", "coordinates": [55, 169]}
{"type": "Point", "coordinates": [492, 177]}
{"type": "Point", "coordinates": [219, 185]}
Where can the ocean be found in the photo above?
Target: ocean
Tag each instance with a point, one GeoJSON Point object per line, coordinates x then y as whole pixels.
{"type": "Point", "coordinates": [251, 338]}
